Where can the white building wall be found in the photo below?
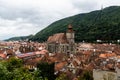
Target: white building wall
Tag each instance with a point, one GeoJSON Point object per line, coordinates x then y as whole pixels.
{"type": "Point", "coordinates": [104, 75]}
{"type": "Point", "coordinates": [118, 73]}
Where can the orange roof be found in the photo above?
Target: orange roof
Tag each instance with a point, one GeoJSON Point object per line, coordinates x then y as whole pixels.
{"type": "Point", "coordinates": [50, 38]}
{"type": "Point", "coordinates": [102, 56]}
{"type": "Point", "coordinates": [1, 51]}
{"type": "Point", "coordinates": [106, 55]}
{"type": "Point", "coordinates": [87, 52]}
{"type": "Point", "coordinates": [3, 55]}
{"type": "Point", "coordinates": [57, 38]}
{"type": "Point", "coordinates": [110, 54]}
{"type": "Point", "coordinates": [33, 61]}
{"type": "Point", "coordinates": [118, 56]}
{"type": "Point", "coordinates": [60, 65]}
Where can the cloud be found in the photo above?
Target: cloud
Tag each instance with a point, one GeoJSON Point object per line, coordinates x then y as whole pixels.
{"type": "Point", "coordinates": [36, 9]}
{"type": "Point", "coordinates": [16, 27]}
{"type": "Point", "coordinates": [85, 5]}
{"type": "Point", "coordinates": [24, 17]}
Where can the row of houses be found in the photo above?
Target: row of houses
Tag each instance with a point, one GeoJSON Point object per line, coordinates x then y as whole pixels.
{"type": "Point", "coordinates": [69, 57]}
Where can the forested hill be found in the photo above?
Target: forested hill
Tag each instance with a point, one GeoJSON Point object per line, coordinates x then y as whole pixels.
{"type": "Point", "coordinates": [19, 38]}
{"type": "Point", "coordinates": [100, 24]}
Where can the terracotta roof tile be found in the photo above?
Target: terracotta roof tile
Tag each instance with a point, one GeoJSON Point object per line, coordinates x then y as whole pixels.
{"type": "Point", "coordinates": [107, 55]}
{"type": "Point", "coordinates": [3, 55]}
{"type": "Point", "coordinates": [102, 56]}
{"type": "Point", "coordinates": [60, 65]}
{"type": "Point", "coordinates": [33, 61]}
{"type": "Point", "coordinates": [57, 38]}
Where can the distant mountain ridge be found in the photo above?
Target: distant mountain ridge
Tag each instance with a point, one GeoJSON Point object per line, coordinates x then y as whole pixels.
{"type": "Point", "coordinates": [100, 24]}
{"type": "Point", "coordinates": [96, 25]}
{"type": "Point", "coordinates": [19, 38]}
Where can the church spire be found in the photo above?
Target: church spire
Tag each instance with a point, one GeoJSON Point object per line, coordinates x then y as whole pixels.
{"type": "Point", "coordinates": [70, 28]}
{"type": "Point", "coordinates": [70, 34]}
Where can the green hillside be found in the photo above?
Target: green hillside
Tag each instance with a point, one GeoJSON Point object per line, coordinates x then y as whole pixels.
{"type": "Point", "coordinates": [19, 38]}
{"type": "Point", "coordinates": [101, 24]}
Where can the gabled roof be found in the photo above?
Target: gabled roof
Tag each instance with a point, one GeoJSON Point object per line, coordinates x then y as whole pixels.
{"type": "Point", "coordinates": [57, 38]}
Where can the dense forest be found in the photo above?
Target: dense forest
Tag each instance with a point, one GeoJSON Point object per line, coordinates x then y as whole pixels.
{"type": "Point", "coordinates": [96, 25]}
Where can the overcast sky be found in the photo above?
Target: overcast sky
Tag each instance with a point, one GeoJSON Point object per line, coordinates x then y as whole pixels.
{"type": "Point", "coordinates": [25, 17]}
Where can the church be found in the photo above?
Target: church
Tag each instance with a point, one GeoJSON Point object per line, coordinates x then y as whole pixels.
{"type": "Point", "coordinates": [62, 42]}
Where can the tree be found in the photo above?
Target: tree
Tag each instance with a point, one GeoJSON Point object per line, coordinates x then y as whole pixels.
{"type": "Point", "coordinates": [46, 70]}
{"type": "Point", "coordinates": [62, 77]}
{"type": "Point", "coordinates": [13, 69]}
{"type": "Point", "coordinates": [13, 63]}
{"type": "Point", "coordinates": [3, 71]}
{"type": "Point", "coordinates": [86, 75]}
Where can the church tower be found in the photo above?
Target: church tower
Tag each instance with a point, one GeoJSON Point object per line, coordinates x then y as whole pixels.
{"type": "Point", "coordinates": [70, 35]}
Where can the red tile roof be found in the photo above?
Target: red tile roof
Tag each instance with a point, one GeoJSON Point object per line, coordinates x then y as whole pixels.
{"type": "Point", "coordinates": [57, 38]}
{"type": "Point", "coordinates": [60, 65]}
{"type": "Point", "coordinates": [3, 55]}
{"type": "Point", "coordinates": [33, 61]}
{"type": "Point", "coordinates": [107, 55]}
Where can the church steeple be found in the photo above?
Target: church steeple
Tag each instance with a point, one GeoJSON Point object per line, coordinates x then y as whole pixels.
{"type": "Point", "coordinates": [70, 34]}
{"type": "Point", "coordinates": [70, 28]}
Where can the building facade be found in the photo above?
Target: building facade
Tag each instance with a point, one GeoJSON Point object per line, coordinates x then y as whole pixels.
{"type": "Point", "coordinates": [104, 75]}
{"type": "Point", "coordinates": [62, 42]}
